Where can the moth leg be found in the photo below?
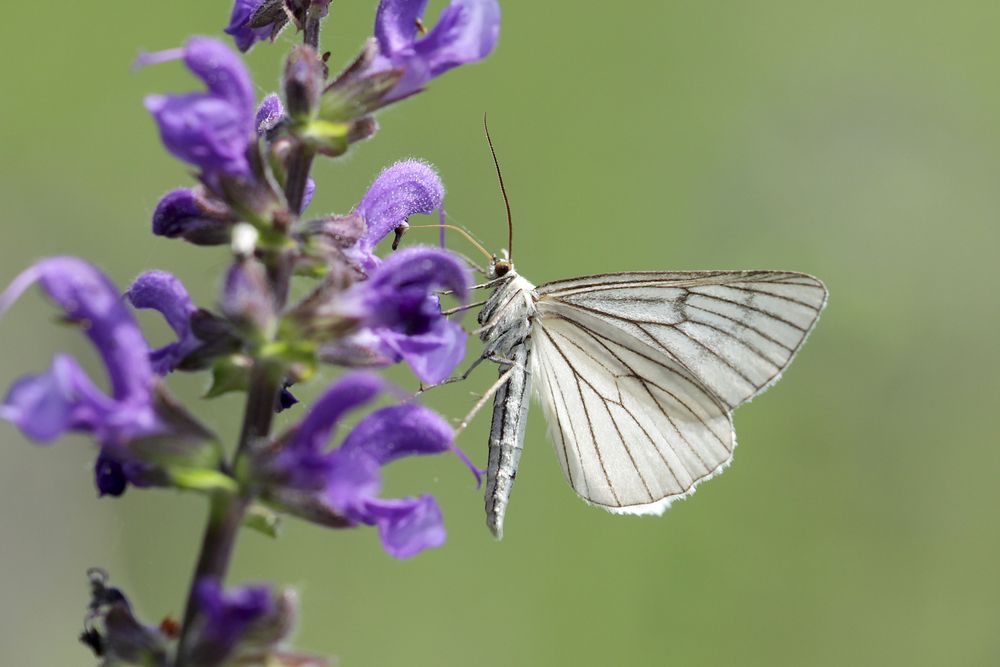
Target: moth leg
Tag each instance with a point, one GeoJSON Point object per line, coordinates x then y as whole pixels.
{"type": "Point", "coordinates": [486, 285]}
{"type": "Point", "coordinates": [458, 378]}
{"type": "Point", "coordinates": [459, 309]}
{"type": "Point", "coordinates": [484, 399]}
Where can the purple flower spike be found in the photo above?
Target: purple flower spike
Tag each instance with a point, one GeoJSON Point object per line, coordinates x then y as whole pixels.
{"type": "Point", "coordinates": [214, 129]}
{"type": "Point", "coordinates": [180, 213]}
{"type": "Point", "coordinates": [400, 191]}
{"type": "Point", "coordinates": [64, 398]}
{"type": "Point", "coordinates": [466, 32]}
{"type": "Point", "coordinates": [244, 36]}
{"type": "Point", "coordinates": [164, 293]}
{"type": "Point", "coordinates": [405, 317]}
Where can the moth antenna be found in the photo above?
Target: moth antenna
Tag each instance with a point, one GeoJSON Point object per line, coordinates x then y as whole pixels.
{"type": "Point", "coordinates": [464, 227]}
{"type": "Point", "coordinates": [503, 191]}
{"type": "Point", "coordinates": [467, 235]}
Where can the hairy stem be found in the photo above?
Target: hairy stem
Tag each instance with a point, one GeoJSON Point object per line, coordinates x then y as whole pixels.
{"type": "Point", "coordinates": [311, 31]}
{"type": "Point", "coordinates": [224, 520]}
{"type": "Point", "coordinates": [227, 511]}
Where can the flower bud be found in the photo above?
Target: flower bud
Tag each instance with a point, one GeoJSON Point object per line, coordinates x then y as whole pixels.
{"type": "Point", "coordinates": [303, 82]}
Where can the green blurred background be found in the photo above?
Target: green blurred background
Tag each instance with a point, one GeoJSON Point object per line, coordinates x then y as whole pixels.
{"type": "Point", "coordinates": [859, 141]}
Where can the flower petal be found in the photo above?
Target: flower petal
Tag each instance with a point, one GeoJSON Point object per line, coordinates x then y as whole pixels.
{"type": "Point", "coordinates": [400, 191]}
{"type": "Point", "coordinates": [432, 355]}
{"type": "Point", "coordinates": [164, 293]}
{"type": "Point", "coordinates": [203, 130]}
{"type": "Point", "coordinates": [211, 130]}
{"type": "Point", "coordinates": [349, 392]}
{"type": "Point", "coordinates": [47, 405]}
{"type": "Point", "coordinates": [396, 23]}
{"type": "Point", "coordinates": [408, 526]}
{"type": "Point", "coordinates": [224, 74]}
{"type": "Point", "coordinates": [422, 268]}
{"type": "Point", "coordinates": [244, 36]}
{"type": "Point", "coordinates": [467, 31]}
{"type": "Point", "coordinates": [90, 299]}
{"type": "Point", "coordinates": [393, 432]}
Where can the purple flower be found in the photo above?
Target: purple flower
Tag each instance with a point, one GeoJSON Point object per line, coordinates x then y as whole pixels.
{"type": "Point", "coordinates": [402, 190]}
{"type": "Point", "coordinates": [244, 36]}
{"type": "Point", "coordinates": [466, 31]}
{"type": "Point", "coordinates": [347, 480]}
{"type": "Point", "coordinates": [183, 213]}
{"type": "Point", "coordinates": [406, 318]}
{"type": "Point", "coordinates": [214, 129]}
{"type": "Point", "coordinates": [45, 406]}
{"type": "Point", "coordinates": [401, 318]}
{"type": "Point", "coordinates": [227, 617]}
{"type": "Point", "coordinates": [164, 293]}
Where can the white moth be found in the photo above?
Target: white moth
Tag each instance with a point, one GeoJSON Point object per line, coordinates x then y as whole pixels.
{"type": "Point", "coordinates": [638, 373]}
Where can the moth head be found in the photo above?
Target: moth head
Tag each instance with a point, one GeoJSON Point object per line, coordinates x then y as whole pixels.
{"type": "Point", "coordinates": [500, 266]}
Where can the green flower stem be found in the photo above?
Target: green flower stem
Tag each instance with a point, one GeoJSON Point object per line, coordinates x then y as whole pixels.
{"type": "Point", "coordinates": [227, 511]}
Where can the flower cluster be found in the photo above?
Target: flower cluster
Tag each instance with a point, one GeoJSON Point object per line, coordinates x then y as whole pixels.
{"type": "Point", "coordinates": [363, 312]}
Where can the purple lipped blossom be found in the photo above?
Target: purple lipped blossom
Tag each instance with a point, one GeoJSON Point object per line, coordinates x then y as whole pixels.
{"type": "Point", "coordinates": [164, 293]}
{"type": "Point", "coordinates": [227, 617]}
{"type": "Point", "coordinates": [347, 480]}
{"type": "Point", "coordinates": [405, 317]}
{"type": "Point", "coordinates": [211, 130]}
{"type": "Point", "coordinates": [404, 189]}
{"type": "Point", "coordinates": [243, 35]}
{"type": "Point", "coordinates": [466, 31]}
{"type": "Point", "coordinates": [401, 317]}
{"type": "Point", "coordinates": [64, 398]}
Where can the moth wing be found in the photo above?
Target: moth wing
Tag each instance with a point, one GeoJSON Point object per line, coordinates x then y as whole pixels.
{"type": "Point", "coordinates": [734, 331]}
{"type": "Point", "coordinates": [633, 429]}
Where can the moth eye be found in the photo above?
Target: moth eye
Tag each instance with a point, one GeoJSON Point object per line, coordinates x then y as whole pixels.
{"type": "Point", "coordinates": [501, 268]}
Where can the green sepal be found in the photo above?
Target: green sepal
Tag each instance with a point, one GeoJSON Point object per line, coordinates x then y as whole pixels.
{"type": "Point", "coordinates": [330, 137]}
{"type": "Point", "coordinates": [229, 374]}
{"type": "Point", "coordinates": [184, 443]}
{"type": "Point", "coordinates": [206, 480]}
{"type": "Point", "coordinates": [292, 352]}
{"type": "Point", "coordinates": [263, 520]}
{"type": "Point", "coordinates": [353, 97]}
